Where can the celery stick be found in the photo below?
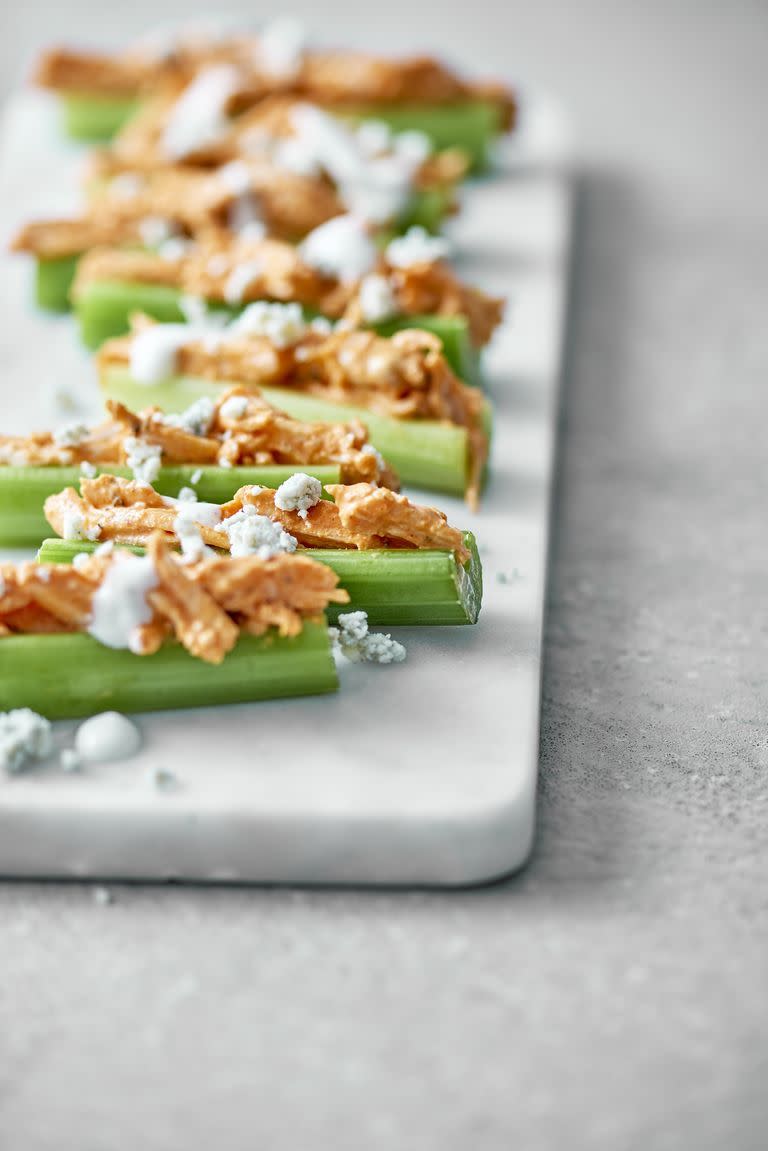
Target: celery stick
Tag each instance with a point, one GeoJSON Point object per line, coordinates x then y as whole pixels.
{"type": "Point", "coordinates": [395, 586]}
{"type": "Point", "coordinates": [104, 306]}
{"type": "Point", "coordinates": [470, 125]}
{"type": "Point", "coordinates": [62, 676]}
{"type": "Point", "coordinates": [53, 279]}
{"type": "Point", "coordinates": [425, 453]}
{"type": "Point", "coordinates": [24, 490]}
{"type": "Point", "coordinates": [94, 118]}
{"type": "Point", "coordinates": [428, 208]}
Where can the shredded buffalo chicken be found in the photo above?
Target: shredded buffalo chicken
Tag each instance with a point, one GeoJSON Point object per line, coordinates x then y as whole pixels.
{"type": "Point", "coordinates": [258, 436]}
{"type": "Point", "coordinates": [204, 605]}
{"type": "Point", "coordinates": [362, 516]}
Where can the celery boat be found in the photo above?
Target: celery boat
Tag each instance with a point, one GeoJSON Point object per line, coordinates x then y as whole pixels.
{"type": "Point", "coordinates": [426, 453]}
{"type": "Point", "coordinates": [103, 308]}
{"type": "Point", "coordinates": [471, 125]}
{"type": "Point", "coordinates": [68, 675]}
{"type": "Point", "coordinates": [395, 586]}
{"type": "Point", "coordinates": [23, 490]}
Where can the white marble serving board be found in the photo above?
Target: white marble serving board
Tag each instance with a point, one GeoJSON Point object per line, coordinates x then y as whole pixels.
{"type": "Point", "coordinates": [419, 773]}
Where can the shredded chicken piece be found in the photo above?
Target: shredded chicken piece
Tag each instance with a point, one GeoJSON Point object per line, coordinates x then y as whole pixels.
{"type": "Point", "coordinates": [362, 516]}
{"type": "Point", "coordinates": [394, 519]}
{"type": "Point", "coordinates": [260, 436]}
{"type": "Point", "coordinates": [206, 605]}
{"type": "Point", "coordinates": [405, 376]}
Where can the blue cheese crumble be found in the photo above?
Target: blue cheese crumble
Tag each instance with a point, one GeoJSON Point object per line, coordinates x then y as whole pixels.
{"type": "Point", "coordinates": [24, 736]}
{"type": "Point", "coordinates": [298, 493]}
{"type": "Point", "coordinates": [252, 534]}
{"type": "Point", "coordinates": [353, 639]}
{"type": "Point", "coordinates": [143, 459]}
{"type": "Point", "coordinates": [417, 246]}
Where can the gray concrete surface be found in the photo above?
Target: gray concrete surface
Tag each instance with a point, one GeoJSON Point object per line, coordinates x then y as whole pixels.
{"type": "Point", "coordinates": [614, 995]}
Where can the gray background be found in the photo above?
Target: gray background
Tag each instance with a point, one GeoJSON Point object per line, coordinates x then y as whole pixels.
{"type": "Point", "coordinates": [614, 995]}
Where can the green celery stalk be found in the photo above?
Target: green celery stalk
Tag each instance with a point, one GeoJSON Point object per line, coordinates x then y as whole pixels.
{"type": "Point", "coordinates": [471, 125]}
{"type": "Point", "coordinates": [24, 490]}
{"type": "Point", "coordinates": [63, 676]}
{"type": "Point", "coordinates": [103, 308]}
{"type": "Point", "coordinates": [395, 586]}
{"type": "Point", "coordinates": [428, 208]}
{"type": "Point", "coordinates": [425, 453]}
{"type": "Point", "coordinates": [95, 118]}
{"type": "Point", "coordinates": [53, 279]}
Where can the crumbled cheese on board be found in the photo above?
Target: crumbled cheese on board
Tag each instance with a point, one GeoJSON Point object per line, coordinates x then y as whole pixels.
{"type": "Point", "coordinates": [24, 736]}
{"type": "Point", "coordinates": [199, 116]}
{"type": "Point", "coordinates": [282, 324]}
{"type": "Point", "coordinates": [377, 300]}
{"type": "Point", "coordinates": [353, 639]}
{"type": "Point", "coordinates": [70, 435]}
{"type": "Point", "coordinates": [233, 408]}
{"type": "Point", "coordinates": [340, 248]}
{"type": "Point", "coordinates": [105, 737]}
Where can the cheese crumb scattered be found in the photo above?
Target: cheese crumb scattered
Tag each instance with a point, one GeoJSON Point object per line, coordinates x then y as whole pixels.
{"type": "Point", "coordinates": [70, 435]}
{"type": "Point", "coordinates": [70, 760]}
{"type": "Point", "coordinates": [353, 639]}
{"type": "Point", "coordinates": [196, 476]}
{"type": "Point", "coordinates": [73, 527]}
{"type": "Point", "coordinates": [199, 116]}
{"type": "Point", "coordinates": [417, 246]}
{"type": "Point", "coordinates": [155, 230]}
{"type": "Point", "coordinates": [187, 530]}
{"type": "Point", "coordinates": [102, 896]}
{"type": "Point", "coordinates": [340, 248]}
{"type": "Point", "coordinates": [299, 493]}
{"type": "Point", "coordinates": [377, 300]}
{"type": "Point", "coordinates": [80, 561]}
{"type": "Point", "coordinates": [196, 419]}
{"type": "Point", "coordinates": [105, 737]}
{"type": "Point", "coordinates": [234, 408]}
{"type": "Point", "coordinates": [162, 779]}
{"type": "Point", "coordinates": [252, 534]}
{"type": "Point", "coordinates": [282, 324]}
{"type": "Point", "coordinates": [119, 605]}
{"type": "Point", "coordinates": [281, 47]}
{"type": "Point", "coordinates": [24, 736]}
{"type": "Point", "coordinates": [88, 469]}
{"type": "Point", "coordinates": [143, 459]}
{"type": "Point", "coordinates": [240, 278]}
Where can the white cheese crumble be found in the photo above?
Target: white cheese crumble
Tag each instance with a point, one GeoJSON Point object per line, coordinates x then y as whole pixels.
{"type": "Point", "coordinates": [299, 493]}
{"type": "Point", "coordinates": [162, 779]}
{"type": "Point", "coordinates": [235, 177]}
{"type": "Point", "coordinates": [353, 639]}
{"type": "Point", "coordinates": [194, 309]}
{"type": "Point", "coordinates": [155, 230]}
{"type": "Point", "coordinates": [282, 324]}
{"type": "Point", "coordinates": [120, 605]}
{"type": "Point", "coordinates": [155, 349]}
{"type": "Point", "coordinates": [252, 534]}
{"type": "Point", "coordinates": [127, 185]}
{"type": "Point", "coordinates": [107, 736]}
{"type": "Point", "coordinates": [70, 760]}
{"type": "Point", "coordinates": [240, 278]}
{"type": "Point", "coordinates": [340, 248]}
{"type": "Point", "coordinates": [417, 246]}
{"type": "Point", "coordinates": [377, 300]}
{"type": "Point", "coordinates": [80, 561]}
{"type": "Point", "coordinates": [196, 419]}
{"type": "Point", "coordinates": [187, 495]}
{"type": "Point", "coordinates": [209, 515]}
{"type": "Point", "coordinates": [88, 469]}
{"type": "Point", "coordinates": [173, 249]}
{"type": "Point", "coordinates": [199, 116]}
{"type": "Point", "coordinates": [196, 476]}
{"type": "Point", "coordinates": [233, 408]}
{"type": "Point", "coordinates": [143, 459]}
{"type": "Point", "coordinates": [24, 736]}
{"type": "Point", "coordinates": [187, 528]}
{"type": "Point", "coordinates": [102, 896]}
{"type": "Point", "coordinates": [281, 46]}
{"type": "Point", "coordinates": [73, 527]}
{"type": "Point", "coordinates": [70, 435]}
